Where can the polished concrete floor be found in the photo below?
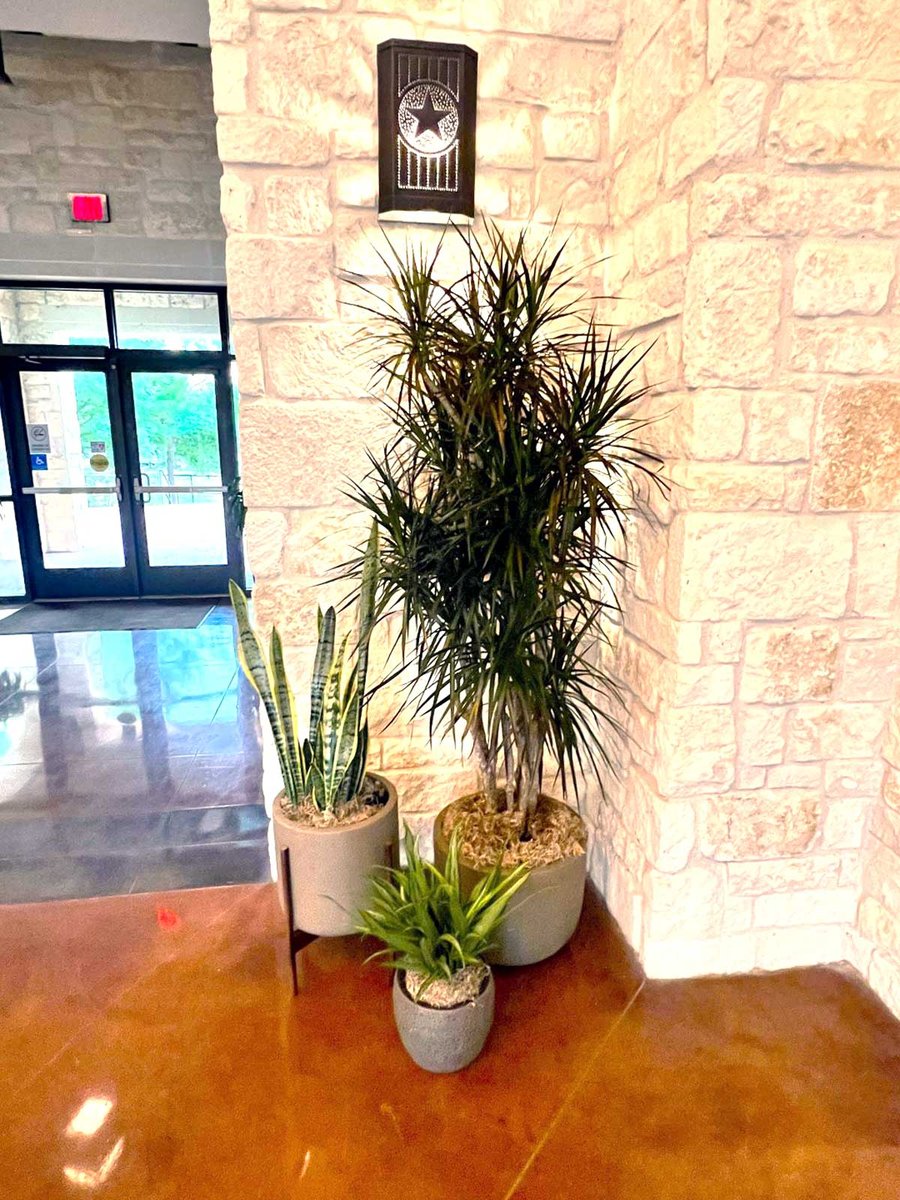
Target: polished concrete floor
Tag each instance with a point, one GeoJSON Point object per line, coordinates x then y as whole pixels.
{"type": "Point", "coordinates": [151, 1049]}
{"type": "Point", "coordinates": [129, 761]}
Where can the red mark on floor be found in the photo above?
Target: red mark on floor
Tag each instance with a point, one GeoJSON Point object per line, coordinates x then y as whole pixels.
{"type": "Point", "coordinates": [167, 918]}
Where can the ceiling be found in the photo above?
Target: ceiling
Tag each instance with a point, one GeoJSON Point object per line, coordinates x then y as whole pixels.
{"type": "Point", "coordinates": [111, 20]}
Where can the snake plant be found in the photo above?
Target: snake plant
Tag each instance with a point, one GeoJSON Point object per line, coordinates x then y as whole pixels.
{"type": "Point", "coordinates": [327, 767]}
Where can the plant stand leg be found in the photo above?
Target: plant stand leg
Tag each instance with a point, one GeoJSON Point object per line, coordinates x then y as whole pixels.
{"type": "Point", "coordinates": [297, 938]}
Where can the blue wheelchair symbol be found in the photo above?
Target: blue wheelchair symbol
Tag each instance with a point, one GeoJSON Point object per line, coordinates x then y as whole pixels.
{"type": "Point", "coordinates": [39, 462]}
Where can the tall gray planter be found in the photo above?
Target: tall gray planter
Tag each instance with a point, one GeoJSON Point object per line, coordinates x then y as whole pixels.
{"type": "Point", "coordinates": [443, 1039]}
{"type": "Point", "coordinates": [543, 914]}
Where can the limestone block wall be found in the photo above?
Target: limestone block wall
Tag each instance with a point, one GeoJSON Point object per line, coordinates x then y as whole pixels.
{"type": "Point", "coordinates": [134, 120]}
{"type": "Point", "coordinates": [754, 235]}
{"type": "Point", "coordinates": [295, 95]}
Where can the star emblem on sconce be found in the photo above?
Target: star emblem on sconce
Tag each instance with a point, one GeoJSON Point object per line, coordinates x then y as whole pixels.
{"type": "Point", "coordinates": [428, 117]}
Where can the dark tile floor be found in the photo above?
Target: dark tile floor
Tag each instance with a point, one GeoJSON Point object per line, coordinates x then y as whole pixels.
{"type": "Point", "coordinates": [129, 761]}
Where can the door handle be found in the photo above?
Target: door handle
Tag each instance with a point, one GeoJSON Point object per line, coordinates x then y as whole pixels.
{"type": "Point", "coordinates": [120, 495]}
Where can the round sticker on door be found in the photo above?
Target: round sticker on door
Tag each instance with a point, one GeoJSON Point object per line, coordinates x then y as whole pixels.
{"type": "Point", "coordinates": [99, 462]}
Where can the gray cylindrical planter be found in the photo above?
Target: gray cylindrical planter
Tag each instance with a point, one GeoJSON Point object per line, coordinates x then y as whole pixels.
{"type": "Point", "coordinates": [542, 915]}
{"type": "Point", "coordinates": [443, 1039]}
{"type": "Point", "coordinates": [331, 866]}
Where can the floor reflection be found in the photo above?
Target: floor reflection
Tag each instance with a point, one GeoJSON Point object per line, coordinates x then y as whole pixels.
{"type": "Point", "coordinates": [128, 762]}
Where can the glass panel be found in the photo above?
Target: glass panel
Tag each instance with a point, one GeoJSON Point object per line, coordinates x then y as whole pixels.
{"type": "Point", "coordinates": [80, 530]}
{"type": "Point", "coordinates": [178, 446]}
{"type": "Point", "coordinates": [12, 581]}
{"type": "Point", "coordinates": [168, 320]}
{"type": "Point", "coordinates": [53, 317]}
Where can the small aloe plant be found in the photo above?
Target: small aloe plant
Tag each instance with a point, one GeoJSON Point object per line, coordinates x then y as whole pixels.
{"type": "Point", "coordinates": [327, 767]}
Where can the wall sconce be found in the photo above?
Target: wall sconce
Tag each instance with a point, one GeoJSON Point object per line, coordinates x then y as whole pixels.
{"type": "Point", "coordinates": [4, 78]}
{"type": "Point", "coordinates": [426, 131]}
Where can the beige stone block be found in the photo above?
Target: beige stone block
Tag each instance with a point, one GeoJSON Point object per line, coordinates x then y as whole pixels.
{"type": "Point", "coordinates": [881, 874]}
{"type": "Point", "coordinates": [709, 423]}
{"type": "Point", "coordinates": [636, 180]}
{"type": "Point", "coordinates": [761, 734]}
{"type": "Point", "coordinates": [505, 135]}
{"type": "Point", "coordinates": [727, 487]}
{"type": "Point", "coordinates": [890, 787]}
{"type": "Point", "coordinates": [719, 124]}
{"type": "Point", "coordinates": [732, 310]}
{"type": "Point", "coordinates": [834, 731]}
{"type": "Point", "coordinates": [315, 361]}
{"type": "Point", "coordinates": [320, 539]}
{"type": "Point", "coordinates": [749, 778]}
{"type": "Point", "coordinates": [836, 277]}
{"type": "Point", "coordinates": [885, 826]}
{"type": "Point", "coordinates": [573, 76]}
{"type": "Point", "coordinates": [785, 663]}
{"type": "Point", "coordinates": [237, 202]}
{"type": "Point", "coordinates": [265, 531]}
{"type": "Point", "coordinates": [303, 454]}
{"type": "Point", "coordinates": [572, 195]}
{"type": "Point", "coordinates": [356, 184]}
{"type": "Point", "coordinates": [581, 19]}
{"type": "Point", "coordinates": [443, 12]}
{"type": "Point", "coordinates": [858, 447]}
{"type": "Point", "coordinates": [571, 135]}
{"type": "Point", "coordinates": [310, 69]}
{"type": "Point", "coordinates": [802, 775]}
{"type": "Point", "coordinates": [290, 605]}
{"type": "Point", "coordinates": [723, 641]}
{"type": "Point", "coordinates": [659, 296]}
{"type": "Point", "coordinates": [696, 749]}
{"type": "Point", "coordinates": [297, 205]}
{"type": "Point", "coordinates": [879, 924]}
{"type": "Point", "coordinates": [845, 822]}
{"type": "Point", "coordinates": [694, 686]}
{"type": "Point", "coordinates": [766, 205]}
{"type": "Point", "coordinates": [686, 958]}
{"type": "Point", "coordinates": [837, 122]}
{"type": "Point", "coordinates": [255, 139]}
{"type": "Point", "coordinates": [877, 565]}
{"type": "Point", "coordinates": [660, 235]}
{"type": "Point", "coordinates": [760, 824]}
{"type": "Point", "coordinates": [832, 38]}
{"type": "Point", "coordinates": [685, 905]}
{"type": "Point", "coordinates": [249, 359]}
{"type": "Point", "coordinates": [812, 871]}
{"type": "Point", "coordinates": [852, 777]}
{"type": "Point", "coordinates": [677, 640]}
{"type": "Point", "coordinates": [229, 77]}
{"type": "Point", "coordinates": [779, 427]}
{"type": "Point", "coordinates": [356, 136]}
{"type": "Point", "coordinates": [817, 906]}
{"type": "Point", "coordinates": [754, 566]}
{"type": "Point", "coordinates": [777, 949]}
{"type": "Point", "coordinates": [884, 979]}
{"type": "Point", "coordinates": [870, 670]}
{"type": "Point", "coordinates": [280, 277]}
{"type": "Point", "coordinates": [229, 20]}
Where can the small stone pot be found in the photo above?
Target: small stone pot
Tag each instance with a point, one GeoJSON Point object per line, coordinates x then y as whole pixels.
{"type": "Point", "coordinates": [443, 1039]}
{"type": "Point", "coordinates": [331, 866]}
{"type": "Point", "coordinates": [544, 912]}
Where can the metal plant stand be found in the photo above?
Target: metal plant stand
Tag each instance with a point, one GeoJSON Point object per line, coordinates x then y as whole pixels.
{"type": "Point", "coordinates": [297, 938]}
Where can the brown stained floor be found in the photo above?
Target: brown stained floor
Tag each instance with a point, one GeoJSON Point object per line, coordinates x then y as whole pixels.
{"type": "Point", "coordinates": [174, 1013]}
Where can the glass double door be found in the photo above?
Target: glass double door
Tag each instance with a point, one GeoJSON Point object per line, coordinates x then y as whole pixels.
{"type": "Point", "coordinates": [127, 477]}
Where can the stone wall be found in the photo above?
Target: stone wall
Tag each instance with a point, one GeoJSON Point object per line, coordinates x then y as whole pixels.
{"type": "Point", "coordinates": [133, 120]}
{"type": "Point", "coordinates": [295, 94]}
{"type": "Point", "coordinates": [736, 163]}
{"type": "Point", "coordinates": [754, 234]}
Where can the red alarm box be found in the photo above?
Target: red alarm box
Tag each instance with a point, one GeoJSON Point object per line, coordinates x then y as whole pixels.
{"type": "Point", "coordinates": [88, 207]}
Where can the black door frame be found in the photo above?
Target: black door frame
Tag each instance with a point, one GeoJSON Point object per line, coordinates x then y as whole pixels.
{"type": "Point", "coordinates": [118, 364]}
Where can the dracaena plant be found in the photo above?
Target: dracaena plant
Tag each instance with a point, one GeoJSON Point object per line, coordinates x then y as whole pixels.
{"type": "Point", "coordinates": [500, 500]}
{"type": "Point", "coordinates": [428, 926]}
{"type": "Point", "coordinates": [325, 768]}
